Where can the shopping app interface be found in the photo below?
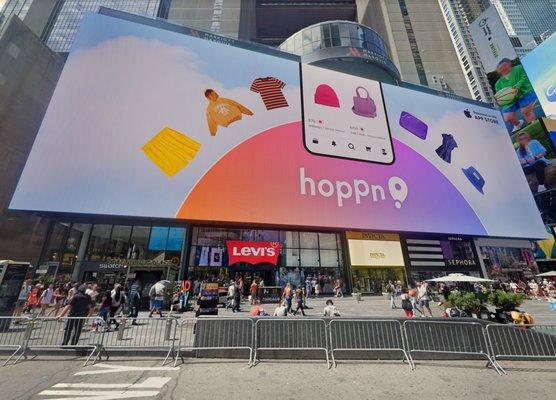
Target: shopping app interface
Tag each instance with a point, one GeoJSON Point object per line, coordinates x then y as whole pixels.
{"type": "Point", "coordinates": [344, 116]}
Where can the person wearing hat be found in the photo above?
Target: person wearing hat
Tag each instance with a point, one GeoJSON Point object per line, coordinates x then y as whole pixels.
{"type": "Point", "coordinates": [77, 309]}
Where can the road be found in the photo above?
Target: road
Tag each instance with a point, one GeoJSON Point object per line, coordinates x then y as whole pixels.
{"type": "Point", "coordinates": [222, 379]}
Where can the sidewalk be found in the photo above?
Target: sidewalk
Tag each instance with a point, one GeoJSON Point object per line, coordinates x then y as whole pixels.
{"type": "Point", "coordinates": [374, 306]}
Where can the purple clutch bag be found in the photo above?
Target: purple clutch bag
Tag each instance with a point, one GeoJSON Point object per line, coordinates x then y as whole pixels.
{"type": "Point", "coordinates": [414, 125]}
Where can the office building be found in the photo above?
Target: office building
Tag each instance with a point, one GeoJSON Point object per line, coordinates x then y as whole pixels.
{"type": "Point", "coordinates": [57, 21]}
{"type": "Point", "coordinates": [419, 42]}
{"type": "Point", "coordinates": [458, 14]}
{"type": "Point", "coordinates": [28, 74]}
{"type": "Point", "coordinates": [527, 22]}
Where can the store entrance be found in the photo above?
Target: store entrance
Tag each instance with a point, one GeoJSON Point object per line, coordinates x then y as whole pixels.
{"type": "Point", "coordinates": [374, 280]}
{"type": "Point", "coordinates": [266, 272]}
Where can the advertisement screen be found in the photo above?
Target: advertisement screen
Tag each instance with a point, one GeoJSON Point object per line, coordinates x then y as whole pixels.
{"type": "Point", "coordinates": [513, 92]}
{"type": "Point", "coordinates": [540, 65]}
{"type": "Point", "coordinates": [344, 117]}
{"type": "Point", "coordinates": [152, 123]}
{"type": "Point", "coordinates": [385, 251]}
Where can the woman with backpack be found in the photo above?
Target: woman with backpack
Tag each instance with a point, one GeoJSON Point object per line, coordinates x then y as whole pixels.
{"type": "Point", "coordinates": [118, 300]}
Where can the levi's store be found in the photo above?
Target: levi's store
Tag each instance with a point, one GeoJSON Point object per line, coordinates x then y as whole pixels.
{"type": "Point", "coordinates": [222, 254]}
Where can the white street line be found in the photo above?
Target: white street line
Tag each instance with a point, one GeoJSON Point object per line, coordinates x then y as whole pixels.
{"type": "Point", "coordinates": [99, 395]}
{"type": "Point", "coordinates": [149, 383]}
{"type": "Point", "coordinates": [109, 369]}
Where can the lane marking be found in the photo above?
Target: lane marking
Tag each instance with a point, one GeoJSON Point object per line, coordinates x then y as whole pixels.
{"type": "Point", "coordinates": [109, 369]}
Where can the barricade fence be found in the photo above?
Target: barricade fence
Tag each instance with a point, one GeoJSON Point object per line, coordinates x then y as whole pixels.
{"type": "Point", "coordinates": [173, 336]}
{"type": "Point", "coordinates": [522, 341]}
{"type": "Point", "coordinates": [212, 333]}
{"type": "Point", "coordinates": [290, 334]}
{"type": "Point", "coordinates": [448, 337]}
{"type": "Point", "coordinates": [367, 335]}
{"type": "Point", "coordinates": [13, 336]}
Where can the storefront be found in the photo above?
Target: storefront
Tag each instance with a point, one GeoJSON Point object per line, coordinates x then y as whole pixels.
{"type": "Point", "coordinates": [301, 256]}
{"type": "Point", "coordinates": [375, 259]}
{"type": "Point", "coordinates": [507, 259]}
{"type": "Point", "coordinates": [434, 256]}
{"type": "Point", "coordinates": [107, 253]}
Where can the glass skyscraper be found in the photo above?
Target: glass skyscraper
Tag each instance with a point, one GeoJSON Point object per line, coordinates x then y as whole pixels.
{"type": "Point", "coordinates": [64, 27]}
{"type": "Point", "coordinates": [17, 7]}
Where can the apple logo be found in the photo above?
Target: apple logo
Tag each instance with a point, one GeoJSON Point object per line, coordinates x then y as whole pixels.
{"type": "Point", "coordinates": [467, 113]}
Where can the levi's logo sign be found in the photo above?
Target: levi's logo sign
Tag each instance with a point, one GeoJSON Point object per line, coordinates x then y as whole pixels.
{"type": "Point", "coordinates": [253, 252]}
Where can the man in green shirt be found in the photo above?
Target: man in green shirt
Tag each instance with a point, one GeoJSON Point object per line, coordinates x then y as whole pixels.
{"type": "Point", "coordinates": [525, 100]}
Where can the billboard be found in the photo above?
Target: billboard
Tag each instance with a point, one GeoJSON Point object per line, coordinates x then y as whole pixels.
{"type": "Point", "coordinates": [513, 92]}
{"type": "Point", "coordinates": [152, 123]}
{"type": "Point", "coordinates": [540, 65]}
{"type": "Point", "coordinates": [386, 251]}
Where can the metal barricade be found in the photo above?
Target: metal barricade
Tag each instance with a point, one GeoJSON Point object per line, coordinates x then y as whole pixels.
{"type": "Point", "coordinates": [522, 341]}
{"type": "Point", "coordinates": [142, 334]}
{"type": "Point", "coordinates": [213, 333]}
{"type": "Point", "coordinates": [366, 335]}
{"type": "Point", "coordinates": [290, 334]}
{"type": "Point", "coordinates": [448, 337]}
{"type": "Point", "coordinates": [14, 332]}
{"type": "Point", "coordinates": [66, 333]}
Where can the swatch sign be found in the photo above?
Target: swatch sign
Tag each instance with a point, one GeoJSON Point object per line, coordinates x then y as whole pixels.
{"type": "Point", "coordinates": [253, 252]}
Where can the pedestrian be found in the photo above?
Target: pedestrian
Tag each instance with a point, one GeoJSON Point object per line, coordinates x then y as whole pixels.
{"type": "Point", "coordinates": [77, 309]}
{"type": "Point", "coordinates": [46, 298]}
{"type": "Point", "coordinates": [423, 295]}
{"type": "Point", "coordinates": [391, 291]}
{"type": "Point", "coordinates": [134, 301]}
{"type": "Point", "coordinates": [308, 287]}
{"type": "Point", "coordinates": [407, 307]}
{"type": "Point", "coordinates": [118, 299]}
{"type": "Point", "coordinates": [231, 295]}
{"type": "Point", "coordinates": [299, 302]}
{"type": "Point", "coordinates": [287, 295]}
{"type": "Point", "coordinates": [257, 310]}
{"type": "Point", "coordinates": [92, 290]}
{"type": "Point", "coordinates": [330, 309]}
{"type": "Point", "coordinates": [22, 298]}
{"type": "Point", "coordinates": [237, 297]}
{"type": "Point", "coordinates": [338, 288]}
{"type": "Point", "coordinates": [34, 298]}
{"type": "Point", "coordinates": [253, 291]}
{"type": "Point", "coordinates": [157, 294]}
{"type": "Point", "coordinates": [105, 307]}
{"type": "Point", "coordinates": [412, 294]}
{"type": "Point", "coordinates": [281, 310]}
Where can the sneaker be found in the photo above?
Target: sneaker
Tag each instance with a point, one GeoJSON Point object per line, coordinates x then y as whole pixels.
{"type": "Point", "coordinates": [519, 126]}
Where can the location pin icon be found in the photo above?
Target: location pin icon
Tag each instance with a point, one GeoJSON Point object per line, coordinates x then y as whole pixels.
{"type": "Point", "coordinates": [398, 190]}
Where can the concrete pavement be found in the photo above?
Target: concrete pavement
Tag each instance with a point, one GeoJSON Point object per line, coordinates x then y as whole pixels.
{"type": "Point", "coordinates": [223, 379]}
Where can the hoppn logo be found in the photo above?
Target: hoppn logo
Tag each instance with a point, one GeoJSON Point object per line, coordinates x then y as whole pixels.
{"type": "Point", "coordinates": [550, 92]}
{"type": "Point", "coordinates": [358, 189]}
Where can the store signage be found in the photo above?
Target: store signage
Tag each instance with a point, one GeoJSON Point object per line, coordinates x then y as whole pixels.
{"type": "Point", "coordinates": [253, 252]}
{"type": "Point", "coordinates": [102, 266]}
{"type": "Point", "coordinates": [375, 249]}
{"type": "Point", "coordinates": [454, 262]}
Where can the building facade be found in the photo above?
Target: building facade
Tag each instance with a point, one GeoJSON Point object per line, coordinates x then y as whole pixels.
{"type": "Point", "coordinates": [527, 22]}
{"type": "Point", "coordinates": [419, 42]}
{"type": "Point", "coordinates": [28, 74]}
{"type": "Point", "coordinates": [458, 14]}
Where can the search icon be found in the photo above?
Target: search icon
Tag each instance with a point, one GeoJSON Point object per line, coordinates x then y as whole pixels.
{"type": "Point", "coordinates": [351, 146]}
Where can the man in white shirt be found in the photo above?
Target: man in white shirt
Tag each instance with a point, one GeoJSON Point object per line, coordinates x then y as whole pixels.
{"type": "Point", "coordinates": [46, 298]}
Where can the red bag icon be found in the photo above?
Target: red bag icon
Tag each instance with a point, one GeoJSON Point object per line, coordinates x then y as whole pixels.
{"type": "Point", "coordinates": [363, 106]}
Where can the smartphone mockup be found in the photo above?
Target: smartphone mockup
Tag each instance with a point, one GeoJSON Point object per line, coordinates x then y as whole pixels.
{"type": "Point", "coordinates": [344, 116]}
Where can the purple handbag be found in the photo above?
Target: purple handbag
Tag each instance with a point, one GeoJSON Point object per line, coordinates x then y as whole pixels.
{"type": "Point", "coordinates": [414, 125]}
{"type": "Point", "coordinates": [363, 106]}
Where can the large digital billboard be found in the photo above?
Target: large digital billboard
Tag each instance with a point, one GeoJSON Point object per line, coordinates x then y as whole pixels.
{"type": "Point", "coordinates": [151, 123]}
{"type": "Point", "coordinates": [540, 65]}
{"type": "Point", "coordinates": [513, 92]}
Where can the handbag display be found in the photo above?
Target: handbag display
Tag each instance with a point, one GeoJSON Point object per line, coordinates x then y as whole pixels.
{"type": "Point", "coordinates": [363, 106]}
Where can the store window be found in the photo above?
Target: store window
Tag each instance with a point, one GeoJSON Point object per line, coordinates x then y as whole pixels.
{"type": "Point", "coordinates": [76, 234]}
{"type": "Point", "coordinates": [303, 256]}
{"type": "Point", "coordinates": [119, 244]}
{"type": "Point", "coordinates": [100, 236]}
{"type": "Point", "coordinates": [56, 241]}
{"type": "Point", "coordinates": [139, 242]}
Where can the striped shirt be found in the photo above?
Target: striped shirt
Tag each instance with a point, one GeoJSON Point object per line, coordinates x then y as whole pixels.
{"type": "Point", "coordinates": [270, 89]}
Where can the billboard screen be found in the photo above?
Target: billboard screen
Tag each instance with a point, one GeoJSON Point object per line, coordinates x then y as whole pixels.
{"type": "Point", "coordinates": [152, 123]}
{"type": "Point", "coordinates": [513, 92]}
{"type": "Point", "coordinates": [540, 65]}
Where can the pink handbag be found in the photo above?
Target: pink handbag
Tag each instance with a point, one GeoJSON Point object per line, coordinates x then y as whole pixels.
{"type": "Point", "coordinates": [363, 106]}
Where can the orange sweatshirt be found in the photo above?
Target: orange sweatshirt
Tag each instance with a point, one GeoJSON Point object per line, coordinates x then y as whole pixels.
{"type": "Point", "coordinates": [223, 112]}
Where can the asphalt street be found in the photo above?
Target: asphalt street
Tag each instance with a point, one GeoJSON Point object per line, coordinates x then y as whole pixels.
{"type": "Point", "coordinates": [126, 378]}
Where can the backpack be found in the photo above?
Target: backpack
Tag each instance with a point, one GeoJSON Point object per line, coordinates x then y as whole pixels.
{"type": "Point", "coordinates": [406, 304]}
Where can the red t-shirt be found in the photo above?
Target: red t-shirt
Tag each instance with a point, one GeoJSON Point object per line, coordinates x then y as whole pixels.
{"type": "Point", "coordinates": [255, 311]}
{"type": "Point", "coordinates": [270, 89]}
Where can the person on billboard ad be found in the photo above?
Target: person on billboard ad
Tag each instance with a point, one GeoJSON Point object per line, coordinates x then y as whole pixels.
{"type": "Point", "coordinates": [514, 92]}
{"type": "Point", "coordinates": [531, 154]}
